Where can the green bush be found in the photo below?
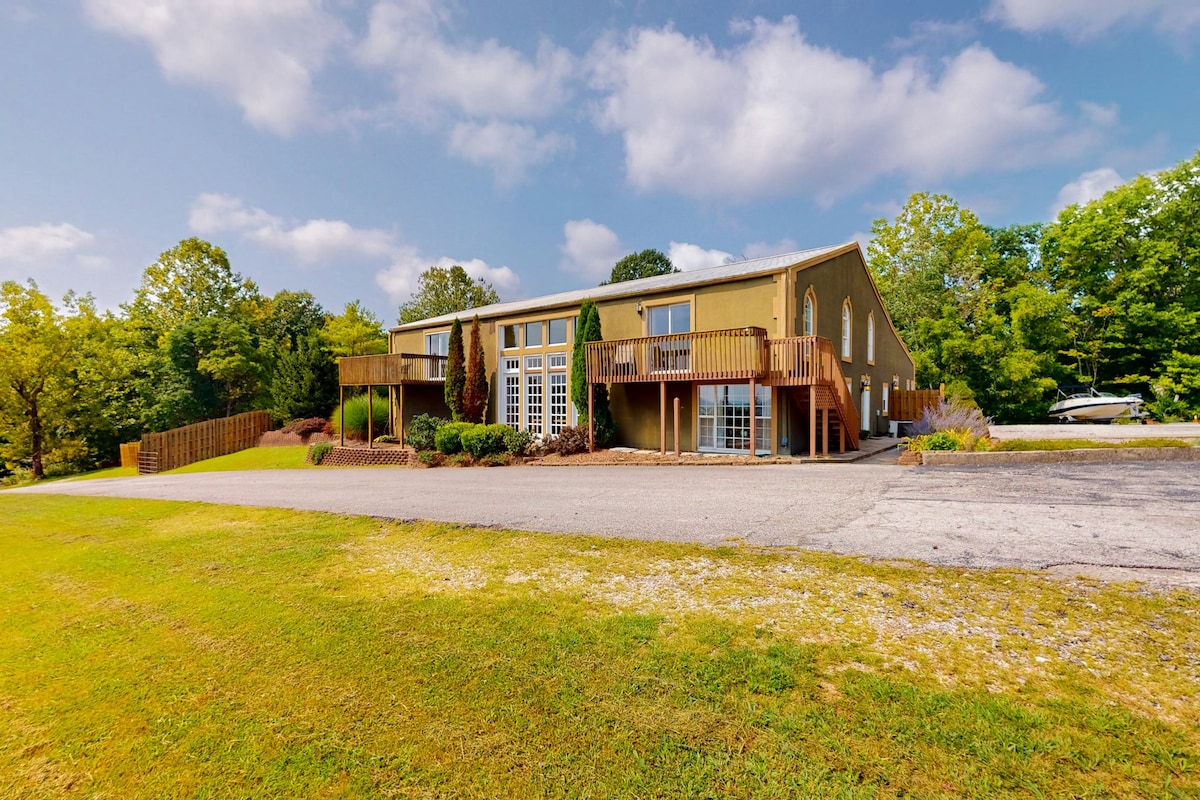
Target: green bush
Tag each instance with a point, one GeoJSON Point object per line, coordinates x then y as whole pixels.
{"type": "Point", "coordinates": [317, 453]}
{"type": "Point", "coordinates": [422, 430]}
{"type": "Point", "coordinates": [448, 438]}
{"type": "Point", "coordinates": [940, 440]}
{"type": "Point", "coordinates": [483, 440]}
{"type": "Point", "coordinates": [517, 442]}
{"type": "Point", "coordinates": [430, 458]}
{"type": "Point", "coordinates": [494, 460]}
{"type": "Point", "coordinates": [356, 416]}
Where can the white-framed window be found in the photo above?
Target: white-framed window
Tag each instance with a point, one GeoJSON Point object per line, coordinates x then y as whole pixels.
{"type": "Point", "coordinates": [847, 322]}
{"type": "Point", "coordinates": [558, 402]}
{"type": "Point", "coordinates": [887, 387]}
{"type": "Point", "coordinates": [871, 338]}
{"type": "Point", "coordinates": [511, 368]}
{"type": "Point", "coordinates": [558, 331]}
{"type": "Point", "coordinates": [557, 360]}
{"type": "Point", "coordinates": [724, 418]}
{"type": "Point", "coordinates": [437, 344]}
{"type": "Point", "coordinates": [533, 334]}
{"type": "Point", "coordinates": [533, 363]}
{"type": "Point", "coordinates": [510, 336]}
{"type": "Point", "coordinates": [675, 318]}
{"type": "Point", "coordinates": [533, 402]}
{"type": "Point", "coordinates": [808, 324]}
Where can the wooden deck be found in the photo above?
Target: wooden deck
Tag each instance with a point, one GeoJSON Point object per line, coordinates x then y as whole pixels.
{"type": "Point", "coordinates": [737, 354]}
{"type": "Point", "coordinates": [393, 369]}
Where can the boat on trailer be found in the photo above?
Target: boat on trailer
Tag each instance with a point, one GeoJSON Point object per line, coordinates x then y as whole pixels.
{"type": "Point", "coordinates": [1085, 404]}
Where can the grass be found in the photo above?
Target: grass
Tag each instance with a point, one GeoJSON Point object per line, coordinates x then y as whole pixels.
{"type": "Point", "coordinates": [154, 649]}
{"type": "Point", "coordinates": [251, 459]}
{"type": "Point", "coordinates": [1083, 444]}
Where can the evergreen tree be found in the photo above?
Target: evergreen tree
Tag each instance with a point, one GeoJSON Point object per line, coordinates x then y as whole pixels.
{"type": "Point", "coordinates": [456, 373]}
{"type": "Point", "coordinates": [475, 394]}
{"type": "Point", "coordinates": [604, 426]}
{"type": "Point", "coordinates": [579, 360]}
{"type": "Point", "coordinates": [306, 381]}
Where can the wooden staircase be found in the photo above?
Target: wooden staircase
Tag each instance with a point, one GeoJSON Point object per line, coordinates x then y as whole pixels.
{"type": "Point", "coordinates": [810, 367]}
{"type": "Point", "coordinates": [842, 420]}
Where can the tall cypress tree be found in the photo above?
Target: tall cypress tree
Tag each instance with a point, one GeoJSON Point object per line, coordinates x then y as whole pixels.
{"type": "Point", "coordinates": [579, 360]}
{"type": "Point", "coordinates": [475, 395]}
{"type": "Point", "coordinates": [605, 427]}
{"type": "Point", "coordinates": [456, 373]}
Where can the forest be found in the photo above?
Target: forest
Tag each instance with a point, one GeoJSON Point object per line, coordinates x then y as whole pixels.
{"type": "Point", "coordinates": [1106, 294]}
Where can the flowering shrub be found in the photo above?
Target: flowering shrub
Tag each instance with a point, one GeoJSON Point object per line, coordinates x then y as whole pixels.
{"type": "Point", "coordinates": [949, 426]}
{"type": "Point", "coordinates": [570, 440]}
{"type": "Point", "coordinates": [305, 427]}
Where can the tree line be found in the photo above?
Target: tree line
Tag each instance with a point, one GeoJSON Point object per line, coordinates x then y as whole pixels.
{"type": "Point", "coordinates": [1108, 294]}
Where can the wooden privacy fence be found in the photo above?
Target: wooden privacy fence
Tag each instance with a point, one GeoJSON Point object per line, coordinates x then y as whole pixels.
{"type": "Point", "coordinates": [217, 437]}
{"type": "Point", "coordinates": [907, 404]}
{"type": "Point", "coordinates": [129, 454]}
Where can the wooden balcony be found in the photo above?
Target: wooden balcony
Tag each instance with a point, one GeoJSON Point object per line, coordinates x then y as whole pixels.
{"type": "Point", "coordinates": [392, 369]}
{"type": "Point", "coordinates": [737, 354]}
{"type": "Point", "coordinates": [802, 361]}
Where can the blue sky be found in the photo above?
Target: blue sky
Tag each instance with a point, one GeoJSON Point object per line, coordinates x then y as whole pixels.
{"type": "Point", "coordinates": [343, 146]}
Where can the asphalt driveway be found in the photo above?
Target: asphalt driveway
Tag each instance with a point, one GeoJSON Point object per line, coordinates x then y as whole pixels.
{"type": "Point", "coordinates": [1132, 520]}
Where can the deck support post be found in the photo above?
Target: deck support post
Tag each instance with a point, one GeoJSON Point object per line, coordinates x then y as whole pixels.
{"type": "Point", "coordinates": [825, 431]}
{"type": "Point", "coordinates": [662, 418]}
{"type": "Point", "coordinates": [591, 417]}
{"type": "Point", "coordinates": [342, 410]}
{"type": "Point", "coordinates": [370, 416]}
{"type": "Point", "coordinates": [400, 409]}
{"type": "Point", "coordinates": [812, 421]}
{"type": "Point", "coordinates": [678, 452]}
{"type": "Point", "coordinates": [753, 432]}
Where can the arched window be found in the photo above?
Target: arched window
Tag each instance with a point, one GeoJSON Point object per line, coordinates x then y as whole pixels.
{"type": "Point", "coordinates": [809, 320]}
{"type": "Point", "coordinates": [871, 338]}
{"type": "Point", "coordinates": [847, 319]}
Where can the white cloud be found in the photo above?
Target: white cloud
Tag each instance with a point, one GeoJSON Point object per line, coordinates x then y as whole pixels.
{"type": "Point", "coordinates": [934, 32]}
{"type": "Point", "coordinates": [261, 53]}
{"type": "Point", "coordinates": [590, 249]}
{"type": "Point", "coordinates": [687, 256]}
{"type": "Point", "coordinates": [1087, 187]}
{"type": "Point", "coordinates": [761, 249]}
{"type": "Point", "coordinates": [323, 240]}
{"type": "Point", "coordinates": [430, 73]}
{"type": "Point", "coordinates": [778, 114]}
{"type": "Point", "coordinates": [1083, 19]}
{"type": "Point", "coordinates": [31, 244]}
{"type": "Point", "coordinates": [509, 150]}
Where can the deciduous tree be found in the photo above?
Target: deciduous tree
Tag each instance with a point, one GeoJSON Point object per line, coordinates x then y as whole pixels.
{"type": "Point", "coordinates": [354, 332]}
{"type": "Point", "coordinates": [645, 264]}
{"type": "Point", "coordinates": [442, 290]}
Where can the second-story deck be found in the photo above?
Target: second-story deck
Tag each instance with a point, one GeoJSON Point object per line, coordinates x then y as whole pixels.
{"type": "Point", "coordinates": [736, 354]}
{"type": "Point", "coordinates": [391, 369]}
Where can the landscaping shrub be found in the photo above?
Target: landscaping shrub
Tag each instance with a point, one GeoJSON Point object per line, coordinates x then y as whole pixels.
{"type": "Point", "coordinates": [938, 440]}
{"type": "Point", "coordinates": [518, 443]}
{"type": "Point", "coordinates": [317, 453]}
{"type": "Point", "coordinates": [448, 438]}
{"type": "Point", "coordinates": [570, 440]}
{"type": "Point", "coordinates": [494, 460]}
{"type": "Point", "coordinates": [430, 458]}
{"type": "Point", "coordinates": [421, 432]}
{"type": "Point", "coordinates": [306, 427]}
{"type": "Point", "coordinates": [387, 438]}
{"type": "Point", "coordinates": [356, 416]}
{"type": "Point", "coordinates": [483, 440]}
{"type": "Point", "coordinates": [952, 417]}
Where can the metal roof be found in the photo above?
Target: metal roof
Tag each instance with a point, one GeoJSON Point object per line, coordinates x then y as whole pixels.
{"type": "Point", "coordinates": [695, 277]}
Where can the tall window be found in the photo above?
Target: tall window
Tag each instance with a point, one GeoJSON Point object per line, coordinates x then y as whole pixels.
{"type": "Point", "coordinates": [533, 394]}
{"type": "Point", "coordinates": [809, 320]}
{"type": "Point", "coordinates": [671, 356]}
{"type": "Point", "coordinates": [512, 393]}
{"type": "Point", "coordinates": [724, 418]}
{"type": "Point", "coordinates": [871, 338]}
{"type": "Point", "coordinates": [847, 319]}
{"type": "Point", "coordinates": [510, 336]}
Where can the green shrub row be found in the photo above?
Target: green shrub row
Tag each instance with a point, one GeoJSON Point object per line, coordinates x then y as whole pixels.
{"type": "Point", "coordinates": [427, 433]}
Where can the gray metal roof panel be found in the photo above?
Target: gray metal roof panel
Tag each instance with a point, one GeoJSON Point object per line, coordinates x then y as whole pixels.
{"type": "Point", "coordinates": [736, 269]}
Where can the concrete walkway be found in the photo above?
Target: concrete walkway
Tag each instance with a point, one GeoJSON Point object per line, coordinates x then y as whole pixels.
{"type": "Point", "coordinates": [1134, 520]}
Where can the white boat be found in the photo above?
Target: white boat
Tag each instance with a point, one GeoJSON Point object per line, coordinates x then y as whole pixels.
{"type": "Point", "coordinates": [1085, 404]}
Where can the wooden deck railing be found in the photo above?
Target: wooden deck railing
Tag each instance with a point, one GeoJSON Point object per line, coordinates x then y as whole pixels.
{"type": "Point", "coordinates": [734, 354]}
{"type": "Point", "coordinates": [392, 369]}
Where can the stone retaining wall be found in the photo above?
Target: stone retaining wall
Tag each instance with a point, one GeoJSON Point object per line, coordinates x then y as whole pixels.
{"type": "Point", "coordinates": [366, 457]}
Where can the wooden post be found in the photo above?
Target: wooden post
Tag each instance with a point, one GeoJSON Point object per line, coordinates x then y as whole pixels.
{"type": "Point", "coordinates": [753, 432]}
{"type": "Point", "coordinates": [591, 417]}
{"type": "Point", "coordinates": [370, 416]}
{"type": "Point", "coordinates": [825, 431]}
{"type": "Point", "coordinates": [662, 418]}
{"type": "Point", "coordinates": [400, 409]}
{"type": "Point", "coordinates": [342, 411]}
{"type": "Point", "coordinates": [678, 452]}
{"type": "Point", "coordinates": [812, 421]}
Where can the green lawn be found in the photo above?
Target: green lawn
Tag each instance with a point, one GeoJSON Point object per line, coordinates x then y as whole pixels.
{"type": "Point", "coordinates": [1086, 444]}
{"type": "Point", "coordinates": [154, 649]}
{"type": "Point", "coordinates": [252, 458]}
